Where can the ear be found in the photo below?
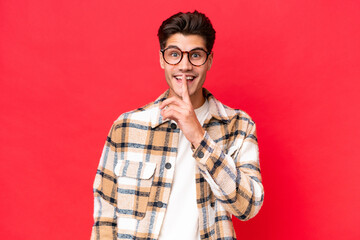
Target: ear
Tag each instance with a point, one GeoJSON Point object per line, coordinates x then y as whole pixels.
{"type": "Point", "coordinates": [162, 63]}
{"type": "Point", "coordinates": [210, 61]}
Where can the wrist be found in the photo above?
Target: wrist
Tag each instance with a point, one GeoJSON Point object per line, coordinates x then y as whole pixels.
{"type": "Point", "coordinates": [199, 137]}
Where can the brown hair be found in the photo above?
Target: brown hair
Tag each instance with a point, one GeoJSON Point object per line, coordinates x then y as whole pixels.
{"type": "Point", "coordinates": [187, 23]}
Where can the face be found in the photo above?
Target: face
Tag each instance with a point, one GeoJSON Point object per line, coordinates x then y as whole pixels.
{"type": "Point", "coordinates": [194, 75]}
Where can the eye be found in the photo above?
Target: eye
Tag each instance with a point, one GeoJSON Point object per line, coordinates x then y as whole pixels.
{"type": "Point", "coordinates": [174, 54]}
{"type": "Point", "coordinates": [196, 55]}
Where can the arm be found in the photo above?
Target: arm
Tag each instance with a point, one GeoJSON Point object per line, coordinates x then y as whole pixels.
{"type": "Point", "coordinates": [234, 178]}
{"type": "Point", "coordinates": [105, 196]}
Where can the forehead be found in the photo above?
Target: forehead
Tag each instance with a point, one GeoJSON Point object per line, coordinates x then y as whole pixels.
{"type": "Point", "coordinates": [186, 42]}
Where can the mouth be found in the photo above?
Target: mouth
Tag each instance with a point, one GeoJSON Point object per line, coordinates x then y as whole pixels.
{"type": "Point", "coordinates": [189, 78]}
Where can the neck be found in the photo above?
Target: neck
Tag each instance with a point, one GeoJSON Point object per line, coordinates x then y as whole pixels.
{"type": "Point", "coordinates": [197, 101]}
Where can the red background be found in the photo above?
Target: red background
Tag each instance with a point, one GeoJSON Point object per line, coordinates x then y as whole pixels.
{"type": "Point", "coordinates": [68, 69]}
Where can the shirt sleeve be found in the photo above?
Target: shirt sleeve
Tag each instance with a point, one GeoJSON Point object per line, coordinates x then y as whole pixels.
{"type": "Point", "coordinates": [234, 177]}
{"type": "Point", "coordinates": [105, 195]}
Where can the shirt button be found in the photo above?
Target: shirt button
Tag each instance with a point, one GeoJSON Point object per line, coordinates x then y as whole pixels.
{"type": "Point", "coordinates": [173, 126]}
{"type": "Point", "coordinates": [168, 165]}
{"type": "Point", "coordinates": [159, 204]}
{"type": "Point", "coordinates": [200, 154]}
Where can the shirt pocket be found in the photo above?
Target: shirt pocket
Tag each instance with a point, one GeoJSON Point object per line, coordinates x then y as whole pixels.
{"type": "Point", "coordinates": [134, 180]}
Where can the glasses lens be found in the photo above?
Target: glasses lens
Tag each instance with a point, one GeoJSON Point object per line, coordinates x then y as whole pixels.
{"type": "Point", "coordinates": [197, 57]}
{"type": "Point", "coordinates": [172, 55]}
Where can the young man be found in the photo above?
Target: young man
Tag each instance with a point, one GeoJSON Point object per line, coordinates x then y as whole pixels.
{"type": "Point", "coordinates": [181, 166]}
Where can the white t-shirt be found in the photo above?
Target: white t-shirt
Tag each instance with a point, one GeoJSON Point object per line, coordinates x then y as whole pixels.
{"type": "Point", "coordinates": [182, 217]}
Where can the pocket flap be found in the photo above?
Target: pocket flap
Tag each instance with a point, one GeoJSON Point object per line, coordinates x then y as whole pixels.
{"type": "Point", "coordinates": [133, 169]}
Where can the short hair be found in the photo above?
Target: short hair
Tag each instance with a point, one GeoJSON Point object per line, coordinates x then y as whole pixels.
{"type": "Point", "coordinates": [188, 24]}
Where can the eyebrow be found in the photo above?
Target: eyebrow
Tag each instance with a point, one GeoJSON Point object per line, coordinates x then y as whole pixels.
{"type": "Point", "coordinates": [197, 48]}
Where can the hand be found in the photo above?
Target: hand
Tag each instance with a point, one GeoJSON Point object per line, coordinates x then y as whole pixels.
{"type": "Point", "coordinates": [182, 112]}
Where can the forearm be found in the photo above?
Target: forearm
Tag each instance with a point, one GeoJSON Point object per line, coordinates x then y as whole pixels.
{"type": "Point", "coordinates": [234, 178]}
{"type": "Point", "coordinates": [105, 198]}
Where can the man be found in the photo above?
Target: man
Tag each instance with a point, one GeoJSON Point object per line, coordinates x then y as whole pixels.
{"type": "Point", "coordinates": [181, 166]}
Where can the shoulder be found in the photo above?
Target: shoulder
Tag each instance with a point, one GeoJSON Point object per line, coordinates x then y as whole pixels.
{"type": "Point", "coordinates": [135, 122]}
{"type": "Point", "coordinates": [240, 123]}
{"type": "Point", "coordinates": [235, 114]}
{"type": "Point", "coordinates": [141, 114]}
{"type": "Point", "coordinates": [225, 113]}
{"type": "Point", "coordinates": [237, 121]}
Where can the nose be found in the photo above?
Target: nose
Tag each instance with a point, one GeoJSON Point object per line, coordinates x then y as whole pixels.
{"type": "Point", "coordinates": [184, 64]}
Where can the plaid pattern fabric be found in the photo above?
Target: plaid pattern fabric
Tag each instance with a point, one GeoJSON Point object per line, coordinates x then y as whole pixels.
{"type": "Point", "coordinates": [132, 185]}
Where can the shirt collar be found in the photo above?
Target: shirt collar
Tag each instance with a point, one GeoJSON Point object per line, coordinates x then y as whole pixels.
{"type": "Point", "coordinates": [216, 109]}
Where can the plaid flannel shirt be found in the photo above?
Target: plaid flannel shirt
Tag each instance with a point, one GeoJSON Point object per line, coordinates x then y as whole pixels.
{"type": "Point", "coordinates": [133, 180]}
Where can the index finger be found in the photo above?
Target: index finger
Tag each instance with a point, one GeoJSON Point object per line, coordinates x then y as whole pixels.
{"type": "Point", "coordinates": [185, 91]}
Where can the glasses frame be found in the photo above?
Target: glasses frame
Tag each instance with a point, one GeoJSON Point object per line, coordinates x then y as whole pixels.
{"type": "Point", "coordinates": [182, 55]}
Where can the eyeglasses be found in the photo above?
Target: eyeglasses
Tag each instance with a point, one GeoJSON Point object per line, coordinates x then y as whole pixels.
{"type": "Point", "coordinates": [173, 55]}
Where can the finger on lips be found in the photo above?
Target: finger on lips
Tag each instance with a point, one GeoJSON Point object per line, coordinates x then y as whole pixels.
{"type": "Point", "coordinates": [176, 100]}
{"type": "Point", "coordinates": [185, 91]}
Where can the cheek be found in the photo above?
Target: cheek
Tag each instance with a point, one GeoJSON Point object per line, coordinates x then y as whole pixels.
{"type": "Point", "coordinates": [202, 73]}
{"type": "Point", "coordinates": [168, 75]}
{"type": "Point", "coordinates": [168, 71]}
